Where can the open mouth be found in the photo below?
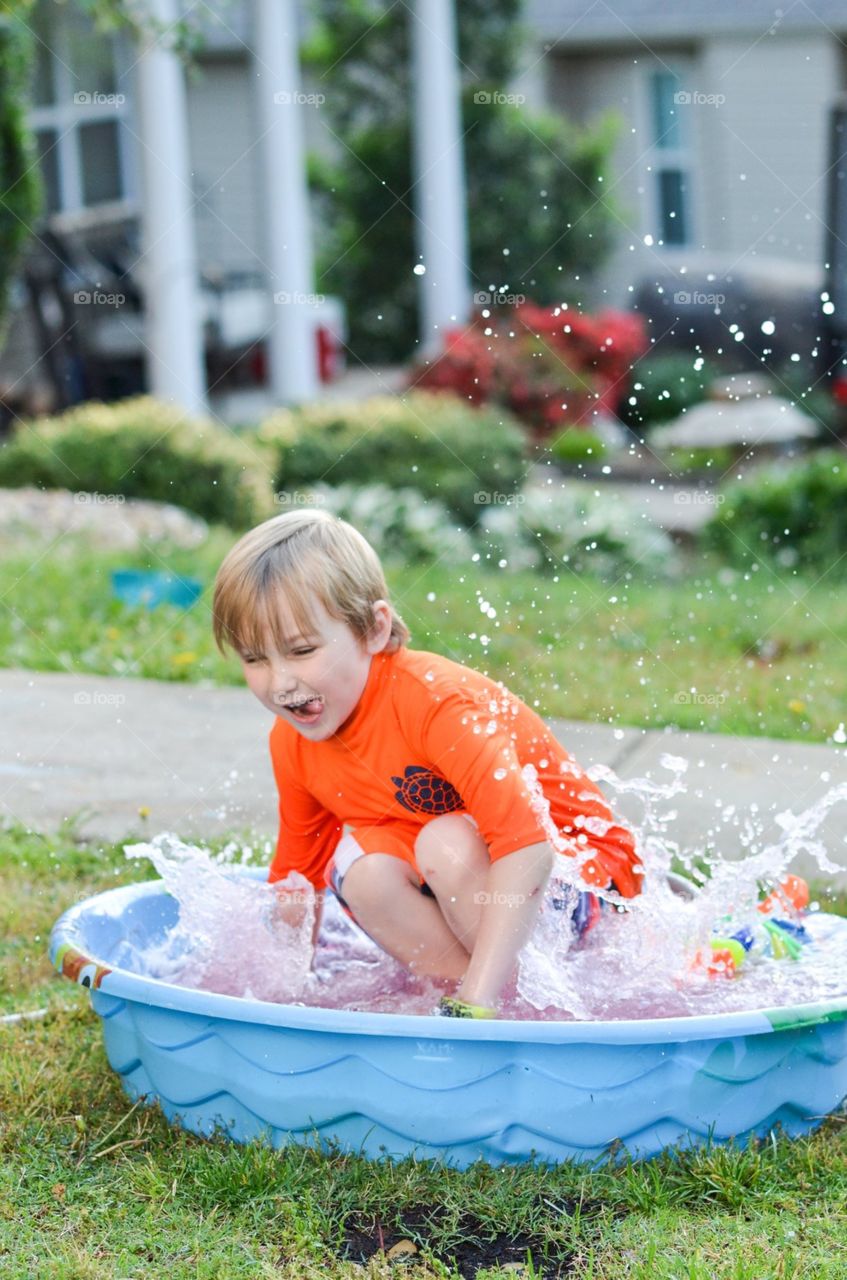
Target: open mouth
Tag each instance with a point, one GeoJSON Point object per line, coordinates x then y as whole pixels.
{"type": "Point", "coordinates": [306, 712]}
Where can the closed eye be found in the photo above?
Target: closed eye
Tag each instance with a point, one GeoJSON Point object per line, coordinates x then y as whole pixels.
{"type": "Point", "coordinates": [301, 653]}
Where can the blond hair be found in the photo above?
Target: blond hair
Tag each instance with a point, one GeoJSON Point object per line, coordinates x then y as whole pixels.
{"type": "Point", "coordinates": [303, 556]}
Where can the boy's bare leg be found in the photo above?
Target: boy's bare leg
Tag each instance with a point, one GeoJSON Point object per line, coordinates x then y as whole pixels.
{"type": "Point", "coordinates": [453, 859]}
{"type": "Point", "coordinates": [491, 906]}
{"type": "Point", "coordinates": [383, 892]}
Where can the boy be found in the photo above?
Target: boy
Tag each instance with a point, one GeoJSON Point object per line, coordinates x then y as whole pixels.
{"type": "Point", "coordinates": [449, 847]}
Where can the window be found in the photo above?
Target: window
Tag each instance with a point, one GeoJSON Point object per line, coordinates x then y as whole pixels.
{"type": "Point", "coordinates": [669, 159]}
{"type": "Point", "coordinates": [79, 101]}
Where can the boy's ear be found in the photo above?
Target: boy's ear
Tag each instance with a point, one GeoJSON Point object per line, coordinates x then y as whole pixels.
{"type": "Point", "coordinates": [381, 628]}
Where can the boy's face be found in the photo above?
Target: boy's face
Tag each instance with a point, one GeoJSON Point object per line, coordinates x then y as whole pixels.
{"type": "Point", "coordinates": [315, 683]}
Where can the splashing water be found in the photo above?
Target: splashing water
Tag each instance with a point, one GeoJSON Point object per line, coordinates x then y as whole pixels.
{"type": "Point", "coordinates": [229, 939]}
{"type": "Point", "coordinates": [637, 963]}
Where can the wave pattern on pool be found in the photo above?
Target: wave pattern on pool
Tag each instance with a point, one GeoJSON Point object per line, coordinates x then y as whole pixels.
{"type": "Point", "coordinates": [396, 1085]}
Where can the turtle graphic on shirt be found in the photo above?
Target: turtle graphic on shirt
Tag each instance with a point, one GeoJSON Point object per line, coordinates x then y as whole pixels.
{"type": "Point", "coordinates": [423, 791]}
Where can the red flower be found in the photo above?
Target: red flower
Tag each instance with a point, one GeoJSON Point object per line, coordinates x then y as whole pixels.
{"type": "Point", "coordinates": [548, 364]}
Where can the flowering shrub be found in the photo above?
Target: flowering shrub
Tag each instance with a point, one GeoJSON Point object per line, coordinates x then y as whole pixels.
{"type": "Point", "coordinates": [549, 366]}
{"type": "Point", "coordinates": [552, 528]}
{"type": "Point", "coordinates": [535, 529]}
{"type": "Point", "coordinates": [546, 529]}
{"type": "Point", "coordinates": [401, 524]}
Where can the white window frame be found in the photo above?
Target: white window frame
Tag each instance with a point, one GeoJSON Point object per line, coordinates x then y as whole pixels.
{"type": "Point", "coordinates": [65, 116]}
{"type": "Point", "coordinates": [656, 158]}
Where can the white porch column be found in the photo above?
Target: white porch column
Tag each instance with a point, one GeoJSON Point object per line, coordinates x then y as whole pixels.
{"type": "Point", "coordinates": [292, 346]}
{"type": "Point", "coordinates": [444, 292]}
{"type": "Point", "coordinates": [174, 334]}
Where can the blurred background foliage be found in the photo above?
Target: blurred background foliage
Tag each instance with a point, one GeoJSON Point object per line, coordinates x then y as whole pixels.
{"type": "Point", "coordinates": [537, 212]}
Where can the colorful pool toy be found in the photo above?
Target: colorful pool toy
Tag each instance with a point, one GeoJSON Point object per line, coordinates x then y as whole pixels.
{"type": "Point", "coordinates": [455, 1089]}
{"type": "Point", "coordinates": [780, 934]}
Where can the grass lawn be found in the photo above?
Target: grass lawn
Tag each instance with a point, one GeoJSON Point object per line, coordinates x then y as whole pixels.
{"type": "Point", "coordinates": [94, 1189]}
{"type": "Point", "coordinates": [713, 650]}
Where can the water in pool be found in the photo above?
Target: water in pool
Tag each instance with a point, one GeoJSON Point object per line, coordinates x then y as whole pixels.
{"type": "Point", "coordinates": [638, 963]}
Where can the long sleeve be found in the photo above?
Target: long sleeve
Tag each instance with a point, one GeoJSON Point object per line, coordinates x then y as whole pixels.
{"type": "Point", "coordinates": [308, 832]}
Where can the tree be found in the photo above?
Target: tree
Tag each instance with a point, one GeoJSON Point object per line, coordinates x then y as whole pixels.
{"type": "Point", "coordinates": [20, 186]}
{"type": "Point", "coordinates": [538, 221]}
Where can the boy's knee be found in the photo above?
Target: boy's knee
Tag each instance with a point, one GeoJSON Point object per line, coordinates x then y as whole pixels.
{"type": "Point", "coordinates": [372, 880]}
{"type": "Point", "coordinates": [449, 842]}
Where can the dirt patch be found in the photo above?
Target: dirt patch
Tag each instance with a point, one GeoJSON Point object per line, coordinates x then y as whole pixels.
{"type": "Point", "coordinates": [468, 1245]}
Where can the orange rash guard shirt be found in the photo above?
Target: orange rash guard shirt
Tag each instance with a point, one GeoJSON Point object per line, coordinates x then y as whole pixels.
{"type": "Point", "coordinates": [430, 736]}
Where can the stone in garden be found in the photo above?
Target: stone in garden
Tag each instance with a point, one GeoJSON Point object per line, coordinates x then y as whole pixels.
{"type": "Point", "coordinates": [107, 521]}
{"type": "Point", "coordinates": [768, 420]}
{"type": "Point", "coordinates": [741, 386]}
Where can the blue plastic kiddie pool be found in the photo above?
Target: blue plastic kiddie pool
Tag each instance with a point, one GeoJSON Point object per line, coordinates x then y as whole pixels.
{"type": "Point", "coordinates": [395, 1085]}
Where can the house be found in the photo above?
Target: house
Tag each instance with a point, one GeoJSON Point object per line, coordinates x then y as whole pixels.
{"type": "Point", "coordinates": [724, 112]}
{"type": "Point", "coordinates": [719, 173]}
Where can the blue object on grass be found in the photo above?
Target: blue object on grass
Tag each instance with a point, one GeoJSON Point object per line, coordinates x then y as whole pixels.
{"type": "Point", "coordinates": [453, 1089]}
{"type": "Point", "coordinates": [152, 588]}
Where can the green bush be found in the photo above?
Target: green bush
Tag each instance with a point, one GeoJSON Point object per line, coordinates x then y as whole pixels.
{"type": "Point", "coordinates": [663, 387]}
{"type": "Point", "coordinates": [717, 460]}
{"type": "Point", "coordinates": [793, 513]}
{"type": "Point", "coordinates": [577, 445]}
{"type": "Point", "coordinates": [434, 443]}
{"type": "Point", "coordinates": [19, 176]}
{"type": "Point", "coordinates": [143, 449]}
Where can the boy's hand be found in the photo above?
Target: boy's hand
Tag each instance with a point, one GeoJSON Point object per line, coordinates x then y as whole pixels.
{"type": "Point", "coordinates": [288, 907]}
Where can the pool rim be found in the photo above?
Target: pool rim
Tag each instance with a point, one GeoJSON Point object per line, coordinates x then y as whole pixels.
{"type": "Point", "coordinates": [122, 984]}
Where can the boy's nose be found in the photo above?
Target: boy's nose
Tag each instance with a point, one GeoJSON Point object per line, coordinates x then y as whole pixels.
{"type": "Point", "coordinates": [283, 682]}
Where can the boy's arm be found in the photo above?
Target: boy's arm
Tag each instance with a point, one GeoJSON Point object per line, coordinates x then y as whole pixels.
{"type": "Point", "coordinates": [515, 890]}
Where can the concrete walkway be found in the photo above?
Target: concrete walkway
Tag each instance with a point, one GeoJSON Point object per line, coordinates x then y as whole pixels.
{"type": "Point", "coordinates": [197, 758]}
